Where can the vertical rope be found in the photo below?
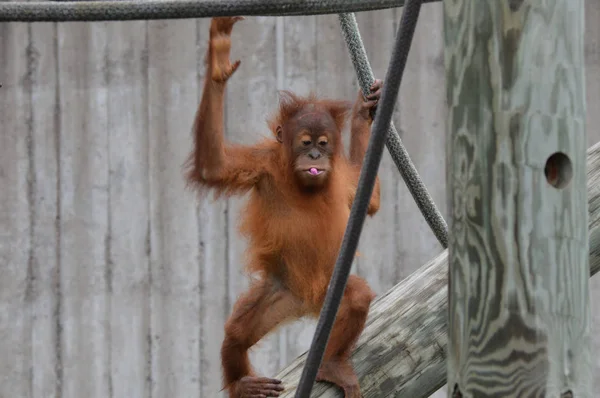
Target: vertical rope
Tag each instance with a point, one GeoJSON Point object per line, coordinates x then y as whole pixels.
{"type": "Point", "coordinates": [360, 205]}
{"type": "Point", "coordinates": [394, 144]}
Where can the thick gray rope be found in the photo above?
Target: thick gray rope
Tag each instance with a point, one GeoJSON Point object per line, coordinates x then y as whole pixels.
{"type": "Point", "coordinates": [366, 183]}
{"type": "Point", "coordinates": [394, 144]}
{"type": "Point", "coordinates": [126, 10]}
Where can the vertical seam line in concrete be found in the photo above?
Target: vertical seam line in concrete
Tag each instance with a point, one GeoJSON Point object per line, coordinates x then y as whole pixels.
{"type": "Point", "coordinates": [146, 70]}
{"type": "Point", "coordinates": [108, 262]}
{"type": "Point", "coordinates": [31, 181]}
{"type": "Point", "coordinates": [57, 225]}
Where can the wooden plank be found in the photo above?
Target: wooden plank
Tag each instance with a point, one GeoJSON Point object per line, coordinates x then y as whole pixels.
{"type": "Point", "coordinates": [403, 350]}
{"type": "Point", "coordinates": [251, 96]}
{"type": "Point", "coordinates": [15, 212]}
{"type": "Point", "coordinates": [44, 163]}
{"type": "Point", "coordinates": [174, 238]}
{"type": "Point", "coordinates": [128, 257]}
{"type": "Point", "coordinates": [84, 211]}
{"type": "Point", "coordinates": [519, 320]}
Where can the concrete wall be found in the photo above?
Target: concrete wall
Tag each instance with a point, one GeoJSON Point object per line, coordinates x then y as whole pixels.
{"type": "Point", "coordinates": [115, 281]}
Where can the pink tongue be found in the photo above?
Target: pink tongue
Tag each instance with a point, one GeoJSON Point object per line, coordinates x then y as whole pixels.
{"type": "Point", "coordinates": [313, 171]}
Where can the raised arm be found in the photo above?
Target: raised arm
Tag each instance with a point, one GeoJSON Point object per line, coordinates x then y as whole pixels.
{"type": "Point", "coordinates": [213, 163]}
{"type": "Point", "coordinates": [360, 130]}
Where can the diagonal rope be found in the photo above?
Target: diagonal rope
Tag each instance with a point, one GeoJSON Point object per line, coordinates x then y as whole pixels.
{"type": "Point", "coordinates": [126, 10]}
{"type": "Point", "coordinates": [394, 144]}
{"type": "Point", "coordinates": [366, 183]}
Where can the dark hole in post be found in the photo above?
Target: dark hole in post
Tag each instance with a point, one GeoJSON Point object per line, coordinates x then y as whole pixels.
{"type": "Point", "coordinates": [558, 170]}
{"type": "Point", "coordinates": [567, 394]}
{"type": "Point", "coordinates": [514, 5]}
{"type": "Point", "coordinates": [456, 392]}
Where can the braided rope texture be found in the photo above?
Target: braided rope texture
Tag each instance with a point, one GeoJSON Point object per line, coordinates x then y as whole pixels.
{"type": "Point", "coordinates": [126, 10]}
{"type": "Point", "coordinates": [394, 144]}
{"type": "Point", "coordinates": [366, 182]}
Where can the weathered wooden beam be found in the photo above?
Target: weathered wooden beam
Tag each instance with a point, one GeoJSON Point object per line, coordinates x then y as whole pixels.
{"type": "Point", "coordinates": [519, 311]}
{"type": "Point", "coordinates": [403, 347]}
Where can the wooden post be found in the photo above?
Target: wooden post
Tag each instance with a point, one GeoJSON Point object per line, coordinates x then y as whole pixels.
{"type": "Point", "coordinates": [519, 315]}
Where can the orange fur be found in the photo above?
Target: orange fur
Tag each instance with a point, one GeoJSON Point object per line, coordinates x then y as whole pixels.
{"type": "Point", "coordinates": [294, 235]}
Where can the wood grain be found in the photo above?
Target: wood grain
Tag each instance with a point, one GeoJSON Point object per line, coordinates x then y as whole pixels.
{"type": "Point", "coordinates": [519, 321]}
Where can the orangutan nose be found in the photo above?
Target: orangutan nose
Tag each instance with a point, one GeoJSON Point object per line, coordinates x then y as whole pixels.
{"type": "Point", "coordinates": [314, 154]}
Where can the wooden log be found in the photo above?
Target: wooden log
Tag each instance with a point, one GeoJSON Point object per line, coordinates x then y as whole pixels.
{"type": "Point", "coordinates": [402, 351]}
{"type": "Point", "coordinates": [519, 311]}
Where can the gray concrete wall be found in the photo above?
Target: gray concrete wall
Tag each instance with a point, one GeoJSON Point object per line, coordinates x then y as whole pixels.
{"type": "Point", "coordinates": [115, 281]}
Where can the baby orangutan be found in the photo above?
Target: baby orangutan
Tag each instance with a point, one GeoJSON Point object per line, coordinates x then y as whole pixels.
{"type": "Point", "coordinates": [301, 188]}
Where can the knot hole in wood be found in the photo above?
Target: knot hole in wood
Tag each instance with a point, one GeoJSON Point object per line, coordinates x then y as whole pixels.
{"type": "Point", "coordinates": [514, 5]}
{"type": "Point", "coordinates": [558, 170]}
{"type": "Point", "coordinates": [456, 392]}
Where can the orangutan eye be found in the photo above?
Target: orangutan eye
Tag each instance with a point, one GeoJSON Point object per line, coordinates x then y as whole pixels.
{"type": "Point", "coordinates": [323, 140]}
{"type": "Point", "coordinates": [322, 143]}
{"type": "Point", "coordinates": [306, 139]}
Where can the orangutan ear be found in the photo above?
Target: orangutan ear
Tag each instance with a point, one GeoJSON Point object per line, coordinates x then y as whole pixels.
{"type": "Point", "coordinates": [279, 133]}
